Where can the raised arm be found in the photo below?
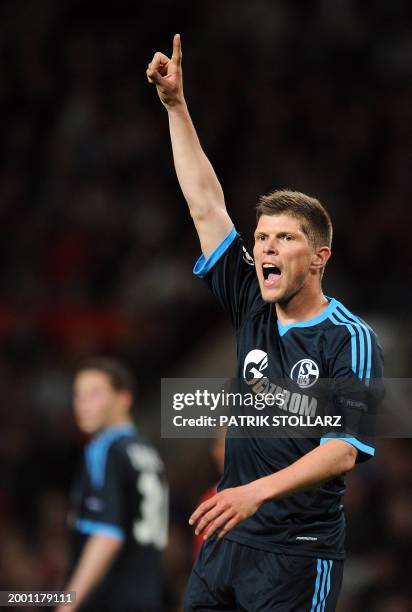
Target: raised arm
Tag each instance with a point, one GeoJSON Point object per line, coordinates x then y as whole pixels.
{"type": "Point", "coordinates": [197, 179]}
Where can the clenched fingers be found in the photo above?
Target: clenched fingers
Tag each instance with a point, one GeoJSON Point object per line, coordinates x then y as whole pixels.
{"type": "Point", "coordinates": [157, 67]}
{"type": "Point", "coordinates": [153, 76]}
{"type": "Point", "coordinates": [159, 60]}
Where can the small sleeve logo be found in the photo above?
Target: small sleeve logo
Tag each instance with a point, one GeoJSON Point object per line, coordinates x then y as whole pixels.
{"type": "Point", "coordinates": [247, 258]}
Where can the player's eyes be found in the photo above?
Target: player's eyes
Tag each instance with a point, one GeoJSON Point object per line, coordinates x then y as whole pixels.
{"type": "Point", "coordinates": [286, 237]}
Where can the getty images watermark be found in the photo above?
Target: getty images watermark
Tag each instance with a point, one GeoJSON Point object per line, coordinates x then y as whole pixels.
{"type": "Point", "coordinates": [281, 408]}
{"type": "Point", "coordinates": [200, 408]}
{"type": "Point", "coordinates": [206, 400]}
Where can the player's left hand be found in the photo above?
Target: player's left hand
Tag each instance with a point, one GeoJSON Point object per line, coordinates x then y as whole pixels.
{"type": "Point", "coordinates": [225, 510]}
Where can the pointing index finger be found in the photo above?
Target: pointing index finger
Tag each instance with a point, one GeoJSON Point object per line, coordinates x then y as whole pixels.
{"type": "Point", "coordinates": [177, 50]}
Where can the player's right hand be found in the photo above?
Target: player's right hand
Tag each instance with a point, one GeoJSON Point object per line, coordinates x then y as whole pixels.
{"type": "Point", "coordinates": [166, 74]}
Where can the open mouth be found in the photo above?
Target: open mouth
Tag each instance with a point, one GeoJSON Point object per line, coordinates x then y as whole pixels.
{"type": "Point", "coordinates": [271, 274]}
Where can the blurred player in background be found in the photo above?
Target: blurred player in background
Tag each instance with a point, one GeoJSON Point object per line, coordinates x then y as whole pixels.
{"type": "Point", "coordinates": [119, 502]}
{"type": "Point", "coordinates": [278, 515]}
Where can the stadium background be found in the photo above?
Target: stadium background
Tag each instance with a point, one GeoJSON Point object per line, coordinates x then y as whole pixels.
{"type": "Point", "coordinates": [97, 245]}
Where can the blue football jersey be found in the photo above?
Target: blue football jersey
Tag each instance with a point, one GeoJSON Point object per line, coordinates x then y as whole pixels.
{"type": "Point", "coordinates": [121, 492]}
{"type": "Point", "coordinates": [335, 346]}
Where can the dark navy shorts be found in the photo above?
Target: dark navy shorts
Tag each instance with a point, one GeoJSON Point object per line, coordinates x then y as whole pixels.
{"type": "Point", "coordinates": [233, 577]}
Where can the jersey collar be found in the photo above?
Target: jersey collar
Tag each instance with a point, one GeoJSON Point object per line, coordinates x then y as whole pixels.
{"type": "Point", "coordinates": [114, 430]}
{"type": "Point", "coordinates": [310, 322]}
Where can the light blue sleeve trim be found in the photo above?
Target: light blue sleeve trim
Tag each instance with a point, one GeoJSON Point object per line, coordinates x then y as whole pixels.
{"type": "Point", "coordinates": [364, 448]}
{"type": "Point", "coordinates": [96, 527]}
{"type": "Point", "coordinates": [203, 265]}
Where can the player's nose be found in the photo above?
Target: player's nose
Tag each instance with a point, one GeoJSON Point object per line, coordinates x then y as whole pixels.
{"type": "Point", "coordinates": [269, 247]}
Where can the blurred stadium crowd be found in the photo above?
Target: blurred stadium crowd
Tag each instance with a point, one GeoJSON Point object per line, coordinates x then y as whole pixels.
{"type": "Point", "coordinates": [97, 246]}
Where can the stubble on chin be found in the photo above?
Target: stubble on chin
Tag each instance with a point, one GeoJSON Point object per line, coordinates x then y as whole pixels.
{"type": "Point", "coordinates": [283, 298]}
{"type": "Point", "coordinates": [269, 300]}
{"type": "Point", "coordinates": [277, 298]}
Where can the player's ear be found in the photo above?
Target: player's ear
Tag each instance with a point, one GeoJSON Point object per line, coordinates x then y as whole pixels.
{"type": "Point", "coordinates": [320, 258]}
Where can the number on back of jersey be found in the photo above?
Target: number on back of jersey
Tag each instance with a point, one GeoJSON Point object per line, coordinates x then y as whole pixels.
{"type": "Point", "coordinates": [152, 525]}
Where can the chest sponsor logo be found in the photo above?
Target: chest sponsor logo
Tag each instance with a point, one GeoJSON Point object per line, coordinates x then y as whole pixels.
{"type": "Point", "coordinates": [305, 373]}
{"type": "Point", "coordinates": [256, 376]}
{"type": "Point", "coordinates": [255, 363]}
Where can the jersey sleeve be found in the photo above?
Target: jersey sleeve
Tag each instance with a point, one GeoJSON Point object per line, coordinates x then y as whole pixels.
{"type": "Point", "coordinates": [231, 276]}
{"type": "Point", "coordinates": [103, 511]}
{"type": "Point", "coordinates": [356, 387]}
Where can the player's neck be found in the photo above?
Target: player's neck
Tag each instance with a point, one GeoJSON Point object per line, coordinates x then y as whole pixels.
{"type": "Point", "coordinates": [117, 422]}
{"type": "Point", "coordinates": [304, 306]}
